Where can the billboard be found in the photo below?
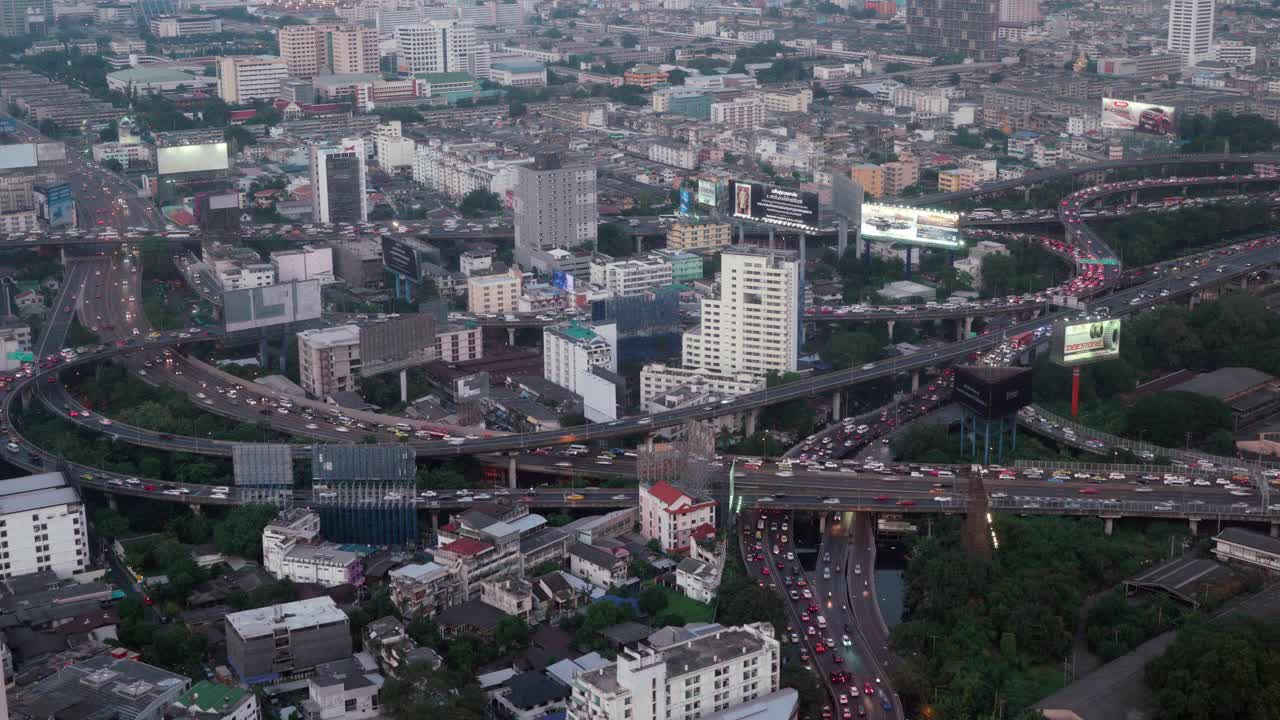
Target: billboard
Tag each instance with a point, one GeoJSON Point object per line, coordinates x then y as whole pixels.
{"type": "Point", "coordinates": [563, 280]}
{"type": "Point", "coordinates": [51, 152]}
{"type": "Point", "coordinates": [992, 392]}
{"type": "Point", "coordinates": [260, 307]}
{"type": "Point", "coordinates": [917, 226]}
{"type": "Point", "coordinates": [774, 205]}
{"type": "Point", "coordinates": [192, 158]}
{"type": "Point", "coordinates": [1080, 342]}
{"type": "Point", "coordinates": [7, 126]}
{"type": "Point", "coordinates": [846, 198]}
{"type": "Point", "coordinates": [17, 156]}
{"type": "Point", "coordinates": [686, 202]}
{"type": "Point", "coordinates": [707, 193]}
{"type": "Point", "coordinates": [55, 204]}
{"type": "Point", "coordinates": [1138, 116]}
{"type": "Point", "coordinates": [400, 258]}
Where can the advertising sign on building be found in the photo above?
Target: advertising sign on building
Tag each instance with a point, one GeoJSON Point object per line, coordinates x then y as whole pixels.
{"type": "Point", "coordinates": [916, 226]}
{"type": "Point", "coordinates": [1085, 342]}
{"type": "Point", "coordinates": [400, 258]}
{"type": "Point", "coordinates": [1137, 116]}
{"type": "Point", "coordinates": [774, 205]}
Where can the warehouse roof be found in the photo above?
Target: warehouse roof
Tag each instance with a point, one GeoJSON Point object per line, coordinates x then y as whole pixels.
{"type": "Point", "coordinates": [143, 76]}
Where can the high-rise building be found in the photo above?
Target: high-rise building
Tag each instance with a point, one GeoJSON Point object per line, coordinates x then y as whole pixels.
{"type": "Point", "coordinates": [960, 28]}
{"type": "Point", "coordinates": [17, 17]}
{"type": "Point", "coordinates": [554, 204]}
{"type": "Point", "coordinates": [754, 326]}
{"type": "Point", "coordinates": [440, 46]}
{"type": "Point", "coordinates": [1020, 11]}
{"type": "Point", "coordinates": [329, 359]}
{"type": "Point", "coordinates": [571, 356]}
{"type": "Point", "coordinates": [1191, 30]}
{"type": "Point", "coordinates": [243, 79]}
{"type": "Point", "coordinates": [338, 182]}
{"type": "Point", "coordinates": [312, 50]}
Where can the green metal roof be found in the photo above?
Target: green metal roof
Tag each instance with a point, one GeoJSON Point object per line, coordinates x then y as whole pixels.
{"type": "Point", "coordinates": [578, 332]}
{"type": "Point", "coordinates": [210, 696]}
{"type": "Point", "coordinates": [445, 77]}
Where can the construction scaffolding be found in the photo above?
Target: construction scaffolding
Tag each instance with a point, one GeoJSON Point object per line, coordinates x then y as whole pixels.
{"type": "Point", "coordinates": [365, 493]}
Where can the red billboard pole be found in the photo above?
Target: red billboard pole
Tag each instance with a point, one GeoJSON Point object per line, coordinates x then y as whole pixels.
{"type": "Point", "coordinates": [1075, 391]}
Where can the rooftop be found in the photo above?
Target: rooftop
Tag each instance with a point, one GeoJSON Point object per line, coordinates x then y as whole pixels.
{"type": "Point", "coordinates": [153, 75]}
{"type": "Point", "coordinates": [1224, 383]}
{"type": "Point", "coordinates": [36, 491]}
{"type": "Point", "coordinates": [444, 77]}
{"type": "Point", "coordinates": [466, 546]}
{"type": "Point", "coordinates": [519, 66]}
{"type": "Point", "coordinates": [331, 337]}
{"type": "Point", "coordinates": [207, 696]}
{"type": "Point", "coordinates": [295, 616]}
{"type": "Point", "coordinates": [1250, 539]}
{"type": "Point", "coordinates": [98, 688]}
{"type": "Point", "coordinates": [418, 572]}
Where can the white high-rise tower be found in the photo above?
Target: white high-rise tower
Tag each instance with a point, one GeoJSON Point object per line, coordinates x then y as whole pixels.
{"type": "Point", "coordinates": [1191, 30]}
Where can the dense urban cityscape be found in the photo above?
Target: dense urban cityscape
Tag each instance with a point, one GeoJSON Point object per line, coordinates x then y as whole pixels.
{"type": "Point", "coordinates": [663, 360]}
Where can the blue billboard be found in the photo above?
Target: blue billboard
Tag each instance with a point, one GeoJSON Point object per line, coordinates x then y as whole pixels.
{"type": "Point", "coordinates": [8, 126]}
{"type": "Point", "coordinates": [55, 204]}
{"type": "Point", "coordinates": [562, 280]}
{"type": "Point", "coordinates": [686, 202]}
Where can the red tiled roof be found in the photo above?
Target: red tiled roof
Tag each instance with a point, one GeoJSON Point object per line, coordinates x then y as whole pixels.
{"type": "Point", "coordinates": [693, 508]}
{"type": "Point", "coordinates": [466, 546]}
{"type": "Point", "coordinates": [241, 114]}
{"type": "Point", "coordinates": [703, 531]}
{"type": "Point", "coordinates": [667, 493]}
{"type": "Point", "coordinates": [450, 527]}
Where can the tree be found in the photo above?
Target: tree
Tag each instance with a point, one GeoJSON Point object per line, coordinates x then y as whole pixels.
{"type": "Point", "coordinates": [849, 349]}
{"type": "Point", "coordinates": [109, 524]}
{"type": "Point", "coordinates": [420, 692]}
{"type": "Point", "coordinates": [478, 202]}
{"type": "Point", "coordinates": [676, 76]}
{"type": "Point", "coordinates": [653, 600]}
{"type": "Point", "coordinates": [441, 477]}
{"type": "Point", "coordinates": [511, 634]}
{"type": "Point", "coordinates": [1169, 419]}
{"type": "Point", "coordinates": [546, 566]}
{"type": "Point", "coordinates": [614, 239]}
{"type": "Point", "coordinates": [559, 519]}
{"type": "Point", "coordinates": [240, 532]}
{"type": "Point", "coordinates": [1217, 668]}
{"type": "Point", "coordinates": [629, 41]}
{"type": "Point", "coordinates": [572, 419]}
{"type": "Point", "coordinates": [113, 165]}
{"type": "Point", "coordinates": [239, 137]}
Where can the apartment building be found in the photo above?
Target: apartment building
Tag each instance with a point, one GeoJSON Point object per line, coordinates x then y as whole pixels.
{"type": "Point", "coordinates": [345, 689]}
{"type": "Point", "coordinates": [870, 176]}
{"type": "Point", "coordinates": [456, 343]}
{"type": "Point", "coordinates": [573, 357]}
{"type": "Point", "coordinates": [699, 236]}
{"type": "Point", "coordinates": [900, 175]}
{"type": "Point", "coordinates": [597, 565]}
{"type": "Point", "coordinates": [657, 379]}
{"type": "Point", "coordinates": [754, 326]}
{"type": "Point", "coordinates": [681, 156]}
{"type": "Point", "coordinates": [439, 46]}
{"type": "Point", "coordinates": [494, 294]}
{"type": "Point", "coordinates": [674, 518]}
{"type": "Point", "coordinates": [243, 79]}
{"type": "Point", "coordinates": [788, 101]}
{"type": "Point", "coordinates": [685, 266]}
{"type": "Point", "coordinates": [635, 277]}
{"type": "Point", "coordinates": [684, 680]}
{"type": "Point", "coordinates": [311, 50]}
{"type": "Point", "coordinates": [329, 359]}
{"type": "Point", "coordinates": [395, 151]}
{"type": "Point", "coordinates": [267, 643]}
{"type": "Point", "coordinates": [744, 111]}
{"type": "Point", "coordinates": [44, 527]}
{"type": "Point", "coordinates": [292, 549]}
{"type": "Point", "coordinates": [423, 589]}
{"type": "Point", "coordinates": [554, 203]}
{"type": "Point", "coordinates": [1191, 30]}
{"type": "Point", "coordinates": [172, 26]}
{"type": "Point", "coordinates": [645, 76]}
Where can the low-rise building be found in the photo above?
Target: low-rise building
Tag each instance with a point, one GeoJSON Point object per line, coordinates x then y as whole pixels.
{"type": "Point", "coordinates": [101, 686]}
{"type": "Point", "coordinates": [513, 596]}
{"type": "Point", "coordinates": [267, 643]}
{"type": "Point", "coordinates": [172, 26]}
{"type": "Point", "coordinates": [597, 565]}
{"type": "Point", "coordinates": [345, 689]}
{"type": "Point", "coordinates": [699, 236]}
{"type": "Point", "coordinates": [635, 277]}
{"type": "Point", "coordinates": [518, 73]}
{"type": "Point", "coordinates": [388, 643]}
{"type": "Point", "coordinates": [572, 355]}
{"type": "Point", "coordinates": [657, 379]}
{"type": "Point", "coordinates": [422, 589]}
{"type": "Point", "coordinates": [1249, 548]}
{"type": "Point", "coordinates": [44, 526]}
{"type": "Point", "coordinates": [672, 517]}
{"type": "Point", "coordinates": [645, 76]}
{"type": "Point", "coordinates": [329, 359]}
{"type": "Point", "coordinates": [456, 343]}
{"type": "Point", "coordinates": [494, 294]}
{"type": "Point", "coordinates": [744, 111]}
{"type": "Point", "coordinates": [685, 266]}
{"type": "Point", "coordinates": [208, 700]}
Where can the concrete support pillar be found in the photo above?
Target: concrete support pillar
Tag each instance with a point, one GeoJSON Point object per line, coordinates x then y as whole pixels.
{"type": "Point", "coordinates": [891, 324]}
{"type": "Point", "coordinates": [968, 325]}
{"type": "Point", "coordinates": [511, 336]}
{"type": "Point", "coordinates": [404, 386]}
{"type": "Point", "coordinates": [910, 253]}
{"type": "Point", "coordinates": [822, 522]}
{"type": "Point", "coordinates": [742, 233]}
{"type": "Point", "coordinates": [1194, 524]}
{"type": "Point", "coordinates": [915, 381]}
{"type": "Point", "coordinates": [197, 509]}
{"type": "Point", "coordinates": [435, 521]}
{"type": "Point", "coordinates": [842, 236]}
{"type": "Point", "coordinates": [1133, 197]}
{"type": "Point", "coordinates": [1244, 282]}
{"type": "Point", "coordinates": [1108, 524]}
{"type": "Point", "coordinates": [114, 505]}
{"type": "Point", "coordinates": [837, 405]}
{"type": "Point", "coordinates": [753, 417]}
{"type": "Point", "coordinates": [1193, 300]}
{"type": "Point", "coordinates": [772, 233]}
{"type": "Point", "coordinates": [639, 244]}
{"type": "Point", "coordinates": [511, 471]}
{"type": "Point", "coordinates": [1275, 529]}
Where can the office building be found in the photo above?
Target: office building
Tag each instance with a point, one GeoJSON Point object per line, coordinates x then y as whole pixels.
{"type": "Point", "coordinates": [306, 263]}
{"type": "Point", "coordinates": [519, 73]}
{"type": "Point", "coordinates": [494, 294]}
{"type": "Point", "coordinates": [657, 379]}
{"type": "Point", "coordinates": [573, 357]}
{"type": "Point", "coordinates": [312, 50]}
{"type": "Point", "coordinates": [699, 236]}
{"type": "Point", "coordinates": [673, 517]}
{"type": "Point", "coordinates": [634, 277]}
{"type": "Point", "coordinates": [207, 700]}
{"type": "Point", "coordinates": [338, 182]}
{"type": "Point", "coordinates": [692, 678]}
{"type": "Point", "coordinates": [685, 266]}
{"type": "Point", "coordinates": [440, 46]}
{"type": "Point", "coordinates": [172, 26]}
{"type": "Point", "coordinates": [957, 29]}
{"type": "Point", "coordinates": [25, 17]}
{"type": "Point", "coordinates": [554, 202]}
{"type": "Point", "coordinates": [267, 643]}
{"type": "Point", "coordinates": [754, 326]}
{"type": "Point", "coordinates": [44, 526]}
{"type": "Point", "coordinates": [1020, 11]}
{"type": "Point", "coordinates": [243, 79]}
{"type": "Point", "coordinates": [1191, 30]}
{"type": "Point", "coordinates": [329, 360]}
{"type": "Point", "coordinates": [102, 686]}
